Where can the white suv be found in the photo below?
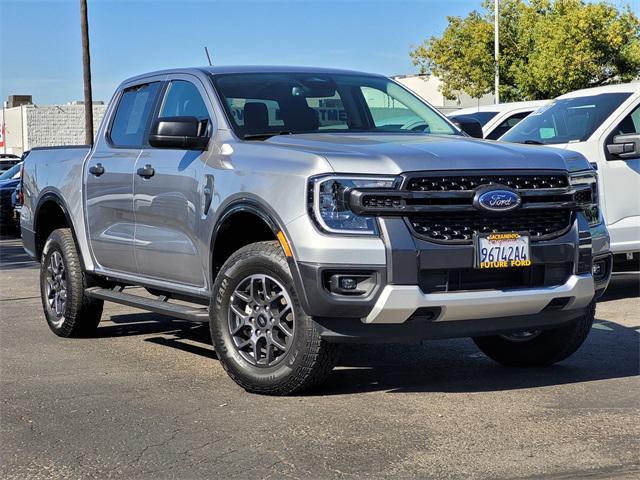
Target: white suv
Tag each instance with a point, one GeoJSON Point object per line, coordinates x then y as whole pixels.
{"type": "Point", "coordinates": [496, 120]}
{"type": "Point", "coordinates": [603, 124]}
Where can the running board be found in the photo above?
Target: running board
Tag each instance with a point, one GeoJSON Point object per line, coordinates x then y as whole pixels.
{"type": "Point", "coordinates": [163, 307]}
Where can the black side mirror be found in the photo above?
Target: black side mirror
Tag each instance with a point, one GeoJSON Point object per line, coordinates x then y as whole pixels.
{"type": "Point", "coordinates": [187, 133]}
{"type": "Point", "coordinates": [468, 125]}
{"type": "Point", "coordinates": [625, 146]}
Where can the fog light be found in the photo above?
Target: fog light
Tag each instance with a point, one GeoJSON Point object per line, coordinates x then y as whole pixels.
{"type": "Point", "coordinates": [348, 283]}
{"type": "Point", "coordinates": [600, 269]}
{"type": "Point", "coordinates": [351, 283]}
{"type": "Point", "coordinates": [597, 269]}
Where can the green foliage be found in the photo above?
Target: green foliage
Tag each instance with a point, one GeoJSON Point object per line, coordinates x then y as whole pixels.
{"type": "Point", "coordinates": [547, 48]}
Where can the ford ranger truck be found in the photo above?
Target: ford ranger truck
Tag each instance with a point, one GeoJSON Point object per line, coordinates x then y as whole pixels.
{"type": "Point", "coordinates": [298, 208]}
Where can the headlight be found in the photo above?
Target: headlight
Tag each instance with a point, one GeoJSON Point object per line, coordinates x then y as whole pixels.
{"type": "Point", "coordinates": [591, 208]}
{"type": "Point", "coordinates": [329, 203]}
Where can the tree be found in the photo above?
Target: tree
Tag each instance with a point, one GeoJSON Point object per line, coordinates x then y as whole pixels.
{"type": "Point", "coordinates": [547, 48]}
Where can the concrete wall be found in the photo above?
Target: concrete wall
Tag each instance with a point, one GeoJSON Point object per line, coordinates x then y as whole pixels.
{"type": "Point", "coordinates": [428, 88]}
{"type": "Point", "coordinates": [31, 126]}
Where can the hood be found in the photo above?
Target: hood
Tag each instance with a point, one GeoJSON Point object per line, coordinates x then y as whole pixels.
{"type": "Point", "coordinates": [393, 154]}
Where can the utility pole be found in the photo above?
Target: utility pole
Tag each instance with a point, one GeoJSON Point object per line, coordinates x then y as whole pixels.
{"type": "Point", "coordinates": [496, 50]}
{"type": "Point", "coordinates": [86, 73]}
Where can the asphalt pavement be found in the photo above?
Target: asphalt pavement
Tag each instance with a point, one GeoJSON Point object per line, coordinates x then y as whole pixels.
{"type": "Point", "coordinates": [146, 398]}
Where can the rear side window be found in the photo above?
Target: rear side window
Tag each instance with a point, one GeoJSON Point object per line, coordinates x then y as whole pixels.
{"type": "Point", "coordinates": [132, 115]}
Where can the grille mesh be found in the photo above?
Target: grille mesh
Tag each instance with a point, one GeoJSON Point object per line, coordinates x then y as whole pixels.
{"type": "Point", "coordinates": [470, 182]}
{"type": "Point", "coordinates": [459, 227]}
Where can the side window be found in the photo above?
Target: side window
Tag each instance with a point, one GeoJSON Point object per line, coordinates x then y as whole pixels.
{"type": "Point", "coordinates": [507, 125]}
{"type": "Point", "coordinates": [389, 113]}
{"type": "Point", "coordinates": [630, 123]}
{"type": "Point", "coordinates": [132, 115]}
{"type": "Point", "coordinates": [628, 126]}
{"type": "Point", "coordinates": [183, 99]}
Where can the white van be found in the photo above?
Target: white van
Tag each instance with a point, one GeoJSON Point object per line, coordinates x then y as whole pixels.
{"type": "Point", "coordinates": [498, 119]}
{"type": "Point", "coordinates": [602, 123]}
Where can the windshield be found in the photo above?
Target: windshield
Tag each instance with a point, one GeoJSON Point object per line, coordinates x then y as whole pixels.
{"type": "Point", "coordinates": [12, 172]}
{"type": "Point", "coordinates": [264, 104]}
{"type": "Point", "coordinates": [566, 120]}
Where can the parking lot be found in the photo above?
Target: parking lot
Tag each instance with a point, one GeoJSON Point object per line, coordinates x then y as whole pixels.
{"type": "Point", "coordinates": [146, 398]}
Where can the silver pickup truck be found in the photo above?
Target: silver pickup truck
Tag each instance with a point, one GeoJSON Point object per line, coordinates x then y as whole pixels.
{"type": "Point", "coordinates": [295, 208]}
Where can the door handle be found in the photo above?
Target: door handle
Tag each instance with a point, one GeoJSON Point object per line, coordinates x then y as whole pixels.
{"type": "Point", "coordinates": [96, 169]}
{"type": "Point", "coordinates": [146, 172]}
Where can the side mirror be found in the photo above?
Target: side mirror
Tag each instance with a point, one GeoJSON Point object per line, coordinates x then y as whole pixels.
{"type": "Point", "coordinates": [468, 125]}
{"type": "Point", "coordinates": [185, 133]}
{"type": "Point", "coordinates": [625, 146]}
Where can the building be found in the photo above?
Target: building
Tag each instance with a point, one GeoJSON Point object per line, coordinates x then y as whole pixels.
{"type": "Point", "coordinates": [428, 88]}
{"type": "Point", "coordinates": [25, 125]}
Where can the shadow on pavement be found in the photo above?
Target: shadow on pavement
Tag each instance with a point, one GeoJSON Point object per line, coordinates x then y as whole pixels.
{"type": "Point", "coordinates": [622, 287]}
{"type": "Point", "coordinates": [611, 351]}
{"type": "Point", "coordinates": [175, 333]}
{"type": "Point", "coordinates": [12, 254]}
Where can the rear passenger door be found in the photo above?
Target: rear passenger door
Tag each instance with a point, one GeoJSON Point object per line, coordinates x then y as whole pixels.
{"type": "Point", "coordinates": [109, 179]}
{"type": "Point", "coordinates": [169, 205]}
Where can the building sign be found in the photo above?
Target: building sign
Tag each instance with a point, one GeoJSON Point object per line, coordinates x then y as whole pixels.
{"type": "Point", "coordinates": [1, 134]}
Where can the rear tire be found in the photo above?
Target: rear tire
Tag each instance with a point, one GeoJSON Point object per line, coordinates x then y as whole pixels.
{"type": "Point", "coordinates": [69, 312]}
{"type": "Point", "coordinates": [543, 348]}
{"type": "Point", "coordinates": [263, 338]}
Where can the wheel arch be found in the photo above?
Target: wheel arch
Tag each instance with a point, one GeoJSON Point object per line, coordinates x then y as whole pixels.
{"type": "Point", "coordinates": [249, 222]}
{"type": "Point", "coordinates": [50, 214]}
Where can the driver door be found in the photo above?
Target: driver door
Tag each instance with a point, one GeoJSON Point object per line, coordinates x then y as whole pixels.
{"type": "Point", "coordinates": [168, 205]}
{"type": "Point", "coordinates": [621, 183]}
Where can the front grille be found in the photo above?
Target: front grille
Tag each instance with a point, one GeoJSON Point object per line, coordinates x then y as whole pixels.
{"type": "Point", "coordinates": [461, 279]}
{"type": "Point", "coordinates": [459, 227]}
{"type": "Point", "coordinates": [448, 183]}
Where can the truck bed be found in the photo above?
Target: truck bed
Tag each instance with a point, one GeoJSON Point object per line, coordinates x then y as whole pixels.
{"type": "Point", "coordinates": [49, 172]}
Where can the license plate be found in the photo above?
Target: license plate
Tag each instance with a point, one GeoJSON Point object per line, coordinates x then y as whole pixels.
{"type": "Point", "coordinates": [502, 250]}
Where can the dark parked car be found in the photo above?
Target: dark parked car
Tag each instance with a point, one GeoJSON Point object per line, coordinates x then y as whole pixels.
{"type": "Point", "coordinates": [8, 160]}
{"type": "Point", "coordinates": [9, 181]}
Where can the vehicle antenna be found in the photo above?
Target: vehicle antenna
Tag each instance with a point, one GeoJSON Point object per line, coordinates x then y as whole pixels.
{"type": "Point", "coordinates": [206, 50]}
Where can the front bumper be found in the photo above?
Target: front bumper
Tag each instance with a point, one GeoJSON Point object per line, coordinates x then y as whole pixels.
{"type": "Point", "coordinates": [398, 303]}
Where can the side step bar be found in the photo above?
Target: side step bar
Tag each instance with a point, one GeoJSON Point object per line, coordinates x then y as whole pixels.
{"type": "Point", "coordinates": [160, 305]}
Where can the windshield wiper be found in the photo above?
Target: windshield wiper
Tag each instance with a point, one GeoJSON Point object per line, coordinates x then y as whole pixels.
{"type": "Point", "coordinates": [265, 135]}
{"type": "Point", "coordinates": [532, 142]}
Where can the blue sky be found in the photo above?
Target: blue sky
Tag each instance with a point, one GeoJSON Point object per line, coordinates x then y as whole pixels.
{"type": "Point", "coordinates": [41, 54]}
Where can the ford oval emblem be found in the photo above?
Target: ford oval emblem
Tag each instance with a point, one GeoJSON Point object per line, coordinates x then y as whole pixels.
{"type": "Point", "coordinates": [497, 199]}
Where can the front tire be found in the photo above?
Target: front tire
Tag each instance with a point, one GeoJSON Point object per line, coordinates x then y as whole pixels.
{"type": "Point", "coordinates": [69, 312]}
{"type": "Point", "coordinates": [541, 348]}
{"type": "Point", "coordinates": [262, 337]}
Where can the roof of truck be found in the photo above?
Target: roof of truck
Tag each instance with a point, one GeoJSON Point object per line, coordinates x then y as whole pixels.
{"type": "Point", "coordinates": [219, 70]}
{"type": "Point", "coordinates": [631, 87]}
{"type": "Point", "coordinates": [500, 107]}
